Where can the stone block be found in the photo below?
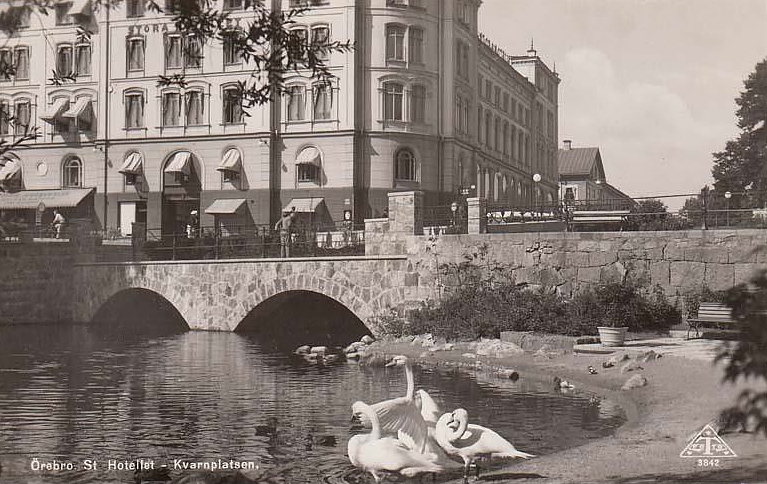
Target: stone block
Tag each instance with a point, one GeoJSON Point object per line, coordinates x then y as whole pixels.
{"type": "Point", "coordinates": [660, 273]}
{"type": "Point", "coordinates": [589, 274]}
{"type": "Point", "coordinates": [720, 276]}
{"type": "Point", "coordinates": [612, 273]}
{"type": "Point", "coordinates": [684, 274]}
{"type": "Point", "coordinates": [602, 258]}
{"type": "Point", "coordinates": [744, 272]}
{"type": "Point", "coordinates": [673, 253]}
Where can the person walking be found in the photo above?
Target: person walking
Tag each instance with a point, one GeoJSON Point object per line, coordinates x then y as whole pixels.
{"type": "Point", "coordinates": [284, 225]}
{"type": "Point", "coordinates": [58, 223]}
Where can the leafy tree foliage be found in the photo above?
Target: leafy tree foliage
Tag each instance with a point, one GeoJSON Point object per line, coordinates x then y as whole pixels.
{"type": "Point", "coordinates": [742, 165]}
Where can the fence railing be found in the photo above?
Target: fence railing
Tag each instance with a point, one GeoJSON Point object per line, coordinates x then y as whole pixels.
{"type": "Point", "coordinates": [445, 219]}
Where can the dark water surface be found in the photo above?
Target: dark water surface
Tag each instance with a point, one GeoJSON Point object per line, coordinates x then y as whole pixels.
{"type": "Point", "coordinates": [68, 394]}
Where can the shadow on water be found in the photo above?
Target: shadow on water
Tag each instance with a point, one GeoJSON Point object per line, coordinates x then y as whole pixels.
{"type": "Point", "coordinates": [136, 314]}
{"type": "Point", "coordinates": [294, 318]}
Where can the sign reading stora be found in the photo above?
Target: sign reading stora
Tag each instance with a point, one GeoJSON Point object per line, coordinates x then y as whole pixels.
{"type": "Point", "coordinates": [707, 444]}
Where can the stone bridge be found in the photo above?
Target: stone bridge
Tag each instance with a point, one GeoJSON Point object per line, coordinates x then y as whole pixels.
{"type": "Point", "coordinates": [218, 295]}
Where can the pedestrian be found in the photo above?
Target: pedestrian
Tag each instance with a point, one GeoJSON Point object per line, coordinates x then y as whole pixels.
{"type": "Point", "coordinates": [191, 226]}
{"type": "Point", "coordinates": [284, 225]}
{"type": "Point", "coordinates": [58, 223]}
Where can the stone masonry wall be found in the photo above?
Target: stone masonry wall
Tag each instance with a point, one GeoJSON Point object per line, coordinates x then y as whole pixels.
{"type": "Point", "coordinates": [36, 283]}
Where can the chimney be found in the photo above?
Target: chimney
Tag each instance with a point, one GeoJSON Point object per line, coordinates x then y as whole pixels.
{"type": "Point", "coordinates": [568, 144]}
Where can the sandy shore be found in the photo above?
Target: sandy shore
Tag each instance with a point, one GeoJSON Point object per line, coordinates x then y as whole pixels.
{"type": "Point", "coordinates": [681, 396]}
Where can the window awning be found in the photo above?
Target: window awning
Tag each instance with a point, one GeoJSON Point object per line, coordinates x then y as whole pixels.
{"type": "Point", "coordinates": [11, 169]}
{"type": "Point", "coordinates": [232, 161]}
{"type": "Point", "coordinates": [180, 163]}
{"type": "Point", "coordinates": [225, 206]}
{"type": "Point", "coordinates": [79, 7]}
{"type": "Point", "coordinates": [132, 164]}
{"type": "Point", "coordinates": [55, 110]}
{"type": "Point", "coordinates": [304, 205]}
{"type": "Point", "coordinates": [79, 109]}
{"type": "Point", "coordinates": [309, 156]}
{"type": "Point", "coordinates": [30, 199]}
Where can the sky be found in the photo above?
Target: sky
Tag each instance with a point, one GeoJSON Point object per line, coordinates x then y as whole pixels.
{"type": "Point", "coordinates": [652, 83]}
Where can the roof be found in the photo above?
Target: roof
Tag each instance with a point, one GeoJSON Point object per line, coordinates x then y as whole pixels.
{"type": "Point", "coordinates": [578, 161]}
{"type": "Point", "coordinates": [225, 206]}
{"type": "Point", "coordinates": [303, 205]}
{"type": "Point", "coordinates": [31, 199]}
{"type": "Point", "coordinates": [615, 193]}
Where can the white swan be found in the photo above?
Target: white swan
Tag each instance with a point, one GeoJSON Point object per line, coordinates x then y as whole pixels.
{"type": "Point", "coordinates": [468, 441]}
{"type": "Point", "coordinates": [429, 409]}
{"type": "Point", "coordinates": [402, 414]}
{"type": "Point", "coordinates": [376, 455]}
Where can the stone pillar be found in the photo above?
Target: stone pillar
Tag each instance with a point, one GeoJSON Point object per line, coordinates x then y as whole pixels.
{"type": "Point", "coordinates": [477, 215]}
{"type": "Point", "coordinates": [406, 212]}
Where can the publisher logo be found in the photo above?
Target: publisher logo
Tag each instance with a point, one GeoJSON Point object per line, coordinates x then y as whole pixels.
{"type": "Point", "coordinates": [707, 444]}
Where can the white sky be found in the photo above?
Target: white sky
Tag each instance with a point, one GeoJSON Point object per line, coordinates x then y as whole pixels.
{"type": "Point", "coordinates": [652, 83]}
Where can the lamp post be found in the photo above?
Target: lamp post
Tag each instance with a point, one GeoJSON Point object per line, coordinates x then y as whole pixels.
{"type": "Point", "coordinates": [534, 195]}
{"type": "Point", "coordinates": [727, 197]}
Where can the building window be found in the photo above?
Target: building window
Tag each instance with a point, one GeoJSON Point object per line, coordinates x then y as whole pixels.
{"type": "Point", "coordinates": [6, 64]}
{"type": "Point", "coordinates": [296, 105]}
{"type": "Point", "coordinates": [497, 140]}
{"type": "Point", "coordinates": [134, 110]}
{"type": "Point", "coordinates": [195, 108]}
{"type": "Point", "coordinates": [62, 13]}
{"type": "Point", "coordinates": [22, 63]}
{"type": "Point", "coordinates": [488, 130]}
{"type": "Point", "coordinates": [171, 109]}
{"type": "Point", "coordinates": [497, 97]}
{"type": "Point", "coordinates": [415, 45]}
{"type": "Point", "coordinates": [135, 54]}
{"type": "Point", "coordinates": [298, 43]}
{"type": "Point", "coordinates": [231, 51]}
{"type": "Point", "coordinates": [5, 117]}
{"type": "Point", "coordinates": [64, 60]}
{"type": "Point", "coordinates": [505, 102]}
{"type": "Point", "coordinates": [232, 106]}
{"type": "Point", "coordinates": [418, 104]}
{"type": "Point", "coordinates": [395, 42]}
{"type": "Point", "coordinates": [173, 52]}
{"type": "Point", "coordinates": [479, 124]}
{"type": "Point", "coordinates": [505, 138]}
{"type": "Point", "coordinates": [405, 169]}
{"type": "Point", "coordinates": [488, 89]}
{"type": "Point", "coordinates": [308, 172]}
{"type": "Point", "coordinates": [134, 8]}
{"type": "Point", "coordinates": [193, 52]}
{"type": "Point", "coordinates": [22, 118]}
{"type": "Point", "coordinates": [320, 40]}
{"type": "Point", "coordinates": [232, 5]}
{"type": "Point", "coordinates": [83, 59]}
{"type": "Point", "coordinates": [323, 102]}
{"type": "Point", "coordinates": [393, 101]}
{"type": "Point", "coordinates": [73, 173]}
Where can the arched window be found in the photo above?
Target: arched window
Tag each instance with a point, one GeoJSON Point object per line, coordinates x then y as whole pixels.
{"type": "Point", "coordinates": [405, 167]}
{"type": "Point", "coordinates": [72, 173]}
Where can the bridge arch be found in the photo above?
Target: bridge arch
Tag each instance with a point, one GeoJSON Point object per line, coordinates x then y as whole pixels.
{"type": "Point", "coordinates": [139, 311]}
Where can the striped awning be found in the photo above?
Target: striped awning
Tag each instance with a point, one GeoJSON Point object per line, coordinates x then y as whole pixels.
{"type": "Point", "coordinates": [132, 164]}
{"type": "Point", "coordinates": [79, 7]}
{"type": "Point", "coordinates": [309, 156]}
{"type": "Point", "coordinates": [31, 199]}
{"type": "Point", "coordinates": [303, 205]}
{"type": "Point", "coordinates": [181, 163]}
{"type": "Point", "coordinates": [79, 109]}
{"type": "Point", "coordinates": [10, 170]}
{"type": "Point", "coordinates": [227, 206]}
{"type": "Point", "coordinates": [55, 110]}
{"type": "Point", "coordinates": [232, 161]}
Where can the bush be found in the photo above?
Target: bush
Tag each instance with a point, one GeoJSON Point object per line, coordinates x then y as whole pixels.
{"type": "Point", "coordinates": [693, 297]}
{"type": "Point", "coordinates": [487, 300]}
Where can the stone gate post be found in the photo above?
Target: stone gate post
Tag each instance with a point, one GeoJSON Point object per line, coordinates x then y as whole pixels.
{"type": "Point", "coordinates": [477, 215]}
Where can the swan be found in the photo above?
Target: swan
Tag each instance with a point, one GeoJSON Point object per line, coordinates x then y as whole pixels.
{"type": "Point", "coordinates": [468, 441]}
{"type": "Point", "coordinates": [402, 414]}
{"type": "Point", "coordinates": [377, 454]}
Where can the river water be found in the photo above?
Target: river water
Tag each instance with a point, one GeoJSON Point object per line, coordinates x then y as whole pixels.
{"type": "Point", "coordinates": [68, 395]}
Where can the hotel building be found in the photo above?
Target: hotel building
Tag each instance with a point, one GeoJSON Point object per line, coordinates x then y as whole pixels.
{"type": "Point", "coordinates": [424, 102]}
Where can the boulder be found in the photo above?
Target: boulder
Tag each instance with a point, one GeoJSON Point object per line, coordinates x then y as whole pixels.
{"type": "Point", "coordinates": [617, 359]}
{"type": "Point", "coordinates": [512, 375]}
{"type": "Point", "coordinates": [647, 356]}
{"type": "Point", "coordinates": [367, 339]}
{"type": "Point", "coordinates": [630, 365]}
{"type": "Point", "coordinates": [352, 356]}
{"type": "Point", "coordinates": [548, 351]}
{"type": "Point", "coordinates": [469, 355]}
{"type": "Point", "coordinates": [318, 350]}
{"type": "Point", "coordinates": [635, 381]}
{"type": "Point", "coordinates": [302, 350]}
{"type": "Point", "coordinates": [496, 348]}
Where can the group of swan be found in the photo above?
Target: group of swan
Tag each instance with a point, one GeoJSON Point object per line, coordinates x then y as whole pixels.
{"type": "Point", "coordinates": [410, 436]}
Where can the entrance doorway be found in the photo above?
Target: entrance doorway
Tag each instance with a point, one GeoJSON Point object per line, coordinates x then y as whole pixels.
{"type": "Point", "coordinates": [181, 195]}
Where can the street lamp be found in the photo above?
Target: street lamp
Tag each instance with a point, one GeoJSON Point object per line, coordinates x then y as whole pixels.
{"type": "Point", "coordinates": [534, 195]}
{"type": "Point", "coordinates": [727, 197]}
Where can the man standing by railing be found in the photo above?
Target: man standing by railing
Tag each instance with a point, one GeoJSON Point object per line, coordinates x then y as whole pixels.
{"type": "Point", "coordinates": [284, 225]}
{"type": "Point", "coordinates": [58, 223]}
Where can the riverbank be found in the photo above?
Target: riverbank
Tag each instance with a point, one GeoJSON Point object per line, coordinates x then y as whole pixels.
{"type": "Point", "coordinates": [681, 396]}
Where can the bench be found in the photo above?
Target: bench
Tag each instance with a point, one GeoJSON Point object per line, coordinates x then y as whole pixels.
{"type": "Point", "coordinates": [710, 313]}
{"type": "Point", "coordinates": [599, 216]}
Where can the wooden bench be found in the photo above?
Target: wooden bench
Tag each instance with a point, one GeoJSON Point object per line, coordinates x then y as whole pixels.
{"type": "Point", "coordinates": [599, 216]}
{"type": "Point", "coordinates": [710, 313]}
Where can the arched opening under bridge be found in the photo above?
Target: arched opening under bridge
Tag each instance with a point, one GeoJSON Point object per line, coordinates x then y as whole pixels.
{"type": "Point", "coordinates": [138, 312]}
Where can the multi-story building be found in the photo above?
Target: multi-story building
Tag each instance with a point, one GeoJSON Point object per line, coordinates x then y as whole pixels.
{"type": "Point", "coordinates": [582, 178]}
{"type": "Point", "coordinates": [423, 102]}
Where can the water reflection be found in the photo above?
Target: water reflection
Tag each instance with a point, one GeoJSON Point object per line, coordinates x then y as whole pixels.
{"type": "Point", "coordinates": [72, 394]}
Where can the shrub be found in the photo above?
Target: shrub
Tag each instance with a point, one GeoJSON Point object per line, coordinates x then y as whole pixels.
{"type": "Point", "coordinates": [693, 297]}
